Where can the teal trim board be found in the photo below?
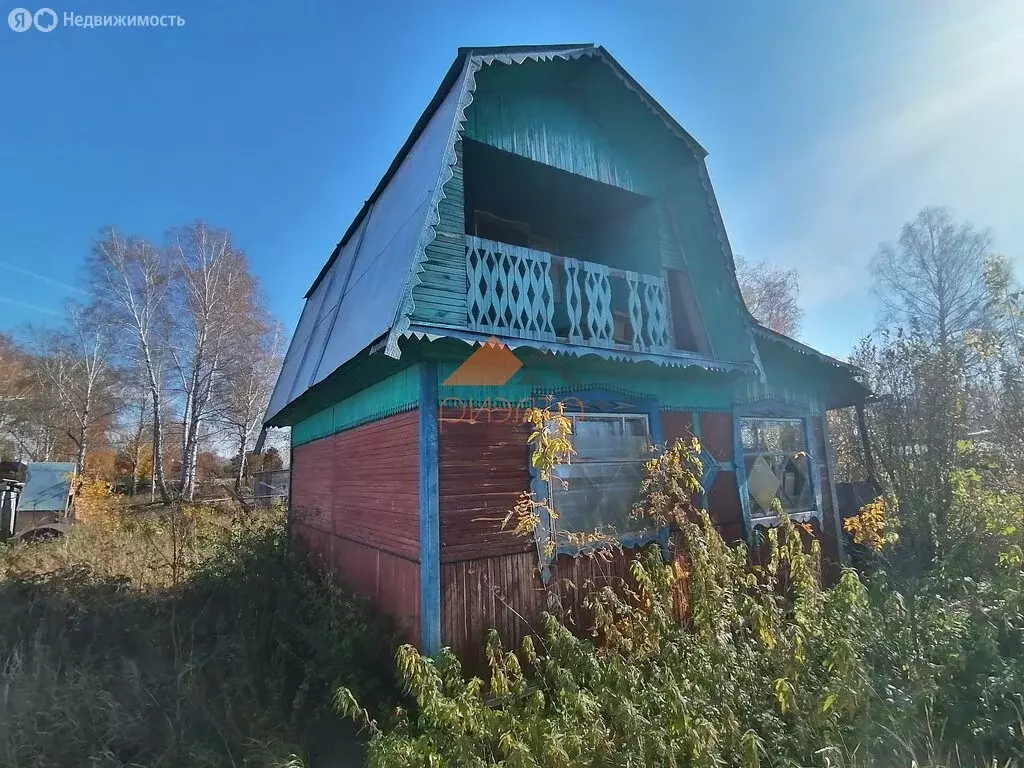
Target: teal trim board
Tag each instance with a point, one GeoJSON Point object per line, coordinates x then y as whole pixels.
{"type": "Point", "coordinates": [430, 546]}
{"type": "Point", "coordinates": [395, 394]}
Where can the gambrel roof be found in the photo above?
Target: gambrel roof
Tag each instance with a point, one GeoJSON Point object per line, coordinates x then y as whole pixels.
{"type": "Point", "coordinates": [363, 295]}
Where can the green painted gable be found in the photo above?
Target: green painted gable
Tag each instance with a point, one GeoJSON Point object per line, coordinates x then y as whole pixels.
{"type": "Point", "coordinates": [578, 116]}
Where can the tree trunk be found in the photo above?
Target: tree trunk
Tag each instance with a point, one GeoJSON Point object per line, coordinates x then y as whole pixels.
{"type": "Point", "coordinates": [241, 463]}
{"type": "Point", "coordinates": [137, 449]}
{"type": "Point", "coordinates": [158, 445]}
{"type": "Point", "coordinates": [80, 458]}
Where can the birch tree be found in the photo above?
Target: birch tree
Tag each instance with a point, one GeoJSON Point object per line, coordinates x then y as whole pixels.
{"type": "Point", "coordinates": [246, 391]}
{"type": "Point", "coordinates": [16, 390]}
{"type": "Point", "coordinates": [130, 281]}
{"type": "Point", "coordinates": [214, 293]}
{"type": "Point", "coordinates": [933, 280]}
{"type": "Point", "coordinates": [74, 365]}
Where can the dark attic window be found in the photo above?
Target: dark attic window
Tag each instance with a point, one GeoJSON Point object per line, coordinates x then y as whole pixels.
{"type": "Point", "coordinates": [687, 329]}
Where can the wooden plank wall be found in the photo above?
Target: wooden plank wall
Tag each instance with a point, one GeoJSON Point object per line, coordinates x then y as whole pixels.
{"type": "Point", "coordinates": [482, 471]}
{"type": "Point", "coordinates": [489, 576]}
{"type": "Point", "coordinates": [716, 436]}
{"type": "Point", "coordinates": [355, 510]}
{"type": "Point", "coordinates": [440, 297]}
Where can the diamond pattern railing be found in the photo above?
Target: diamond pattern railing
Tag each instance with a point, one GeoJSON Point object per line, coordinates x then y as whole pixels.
{"type": "Point", "coordinates": [512, 292]}
{"type": "Point", "coordinates": [510, 289]}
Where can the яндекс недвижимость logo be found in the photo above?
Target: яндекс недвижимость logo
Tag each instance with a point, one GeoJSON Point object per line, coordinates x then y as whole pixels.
{"type": "Point", "coordinates": [22, 19]}
{"type": "Point", "coordinates": [46, 20]}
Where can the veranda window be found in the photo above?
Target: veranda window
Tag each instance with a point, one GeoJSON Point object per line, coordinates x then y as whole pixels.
{"type": "Point", "coordinates": [596, 490]}
{"type": "Point", "coordinates": [777, 466]}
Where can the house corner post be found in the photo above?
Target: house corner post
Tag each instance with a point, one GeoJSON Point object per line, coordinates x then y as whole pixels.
{"type": "Point", "coordinates": [430, 546]}
{"type": "Point", "coordinates": [830, 465]}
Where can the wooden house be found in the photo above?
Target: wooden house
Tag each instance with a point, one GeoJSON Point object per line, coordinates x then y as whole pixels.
{"type": "Point", "coordinates": [547, 230]}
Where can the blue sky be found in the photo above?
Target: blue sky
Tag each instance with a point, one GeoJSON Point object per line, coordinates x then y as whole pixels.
{"type": "Point", "coordinates": [828, 124]}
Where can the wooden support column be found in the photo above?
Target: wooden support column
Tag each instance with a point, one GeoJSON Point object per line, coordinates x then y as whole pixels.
{"type": "Point", "coordinates": [430, 544]}
{"type": "Point", "coordinates": [865, 440]}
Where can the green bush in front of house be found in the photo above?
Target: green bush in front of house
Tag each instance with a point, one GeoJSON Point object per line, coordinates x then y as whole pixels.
{"type": "Point", "coordinates": [768, 669]}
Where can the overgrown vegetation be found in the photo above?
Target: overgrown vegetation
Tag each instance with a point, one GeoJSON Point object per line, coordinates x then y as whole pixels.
{"type": "Point", "coordinates": [768, 667]}
{"type": "Point", "coordinates": [182, 637]}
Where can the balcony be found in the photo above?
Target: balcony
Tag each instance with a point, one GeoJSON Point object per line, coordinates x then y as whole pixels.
{"type": "Point", "coordinates": [524, 293]}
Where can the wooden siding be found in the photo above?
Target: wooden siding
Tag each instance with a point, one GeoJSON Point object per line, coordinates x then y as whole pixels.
{"type": "Point", "coordinates": [581, 121]}
{"type": "Point", "coordinates": [489, 577]}
{"type": "Point", "coordinates": [482, 471]}
{"type": "Point", "coordinates": [549, 130]}
{"type": "Point", "coordinates": [723, 500]}
{"type": "Point", "coordinates": [355, 509]}
{"type": "Point", "coordinates": [440, 298]}
{"type": "Point", "coordinates": [391, 582]}
{"type": "Point", "coordinates": [505, 592]}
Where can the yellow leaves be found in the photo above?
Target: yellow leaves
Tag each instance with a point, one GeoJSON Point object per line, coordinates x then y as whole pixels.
{"type": "Point", "coordinates": [872, 526]}
{"type": "Point", "coordinates": [671, 483]}
{"type": "Point", "coordinates": [551, 438]}
{"type": "Point", "coordinates": [785, 694]}
{"type": "Point", "coordinates": [828, 703]}
{"type": "Point", "coordinates": [95, 502]}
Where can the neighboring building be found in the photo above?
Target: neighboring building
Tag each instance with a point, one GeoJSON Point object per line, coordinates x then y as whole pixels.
{"type": "Point", "coordinates": [545, 200]}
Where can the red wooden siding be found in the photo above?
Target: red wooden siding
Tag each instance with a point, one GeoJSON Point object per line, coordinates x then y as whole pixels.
{"type": "Point", "coordinates": [716, 437]}
{"type": "Point", "coordinates": [355, 508]}
{"type": "Point", "coordinates": [716, 434]}
{"type": "Point", "coordinates": [505, 592]}
{"type": "Point", "coordinates": [482, 471]}
{"type": "Point", "coordinates": [676, 425]}
{"type": "Point", "coordinates": [489, 577]}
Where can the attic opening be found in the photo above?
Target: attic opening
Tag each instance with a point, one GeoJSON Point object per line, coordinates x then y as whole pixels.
{"type": "Point", "coordinates": [600, 243]}
{"type": "Point", "coordinates": [514, 200]}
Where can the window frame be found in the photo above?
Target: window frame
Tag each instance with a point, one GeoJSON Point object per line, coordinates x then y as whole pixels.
{"type": "Point", "coordinates": [596, 404]}
{"type": "Point", "coordinates": [768, 410]}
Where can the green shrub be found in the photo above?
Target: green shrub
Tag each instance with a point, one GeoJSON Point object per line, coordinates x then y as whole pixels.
{"type": "Point", "coordinates": [768, 668]}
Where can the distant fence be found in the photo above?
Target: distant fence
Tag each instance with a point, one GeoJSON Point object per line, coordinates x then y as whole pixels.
{"type": "Point", "coordinates": [271, 487]}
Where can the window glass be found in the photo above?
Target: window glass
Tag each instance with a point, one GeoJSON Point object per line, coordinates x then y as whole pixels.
{"type": "Point", "coordinates": [596, 490]}
{"type": "Point", "coordinates": [777, 465]}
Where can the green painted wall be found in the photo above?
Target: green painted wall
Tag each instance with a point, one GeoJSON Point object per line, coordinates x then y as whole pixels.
{"type": "Point", "coordinates": [792, 378]}
{"type": "Point", "coordinates": [395, 394]}
{"type": "Point", "coordinates": [675, 389]}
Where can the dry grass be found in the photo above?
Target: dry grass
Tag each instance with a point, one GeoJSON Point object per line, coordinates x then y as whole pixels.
{"type": "Point", "coordinates": [172, 637]}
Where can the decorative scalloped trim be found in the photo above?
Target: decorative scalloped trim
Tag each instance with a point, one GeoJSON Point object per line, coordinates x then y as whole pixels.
{"type": "Point", "coordinates": [466, 84]}
{"type": "Point", "coordinates": [566, 350]}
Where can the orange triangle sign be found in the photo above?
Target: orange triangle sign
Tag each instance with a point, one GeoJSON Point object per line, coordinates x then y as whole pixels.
{"type": "Point", "coordinates": [492, 365]}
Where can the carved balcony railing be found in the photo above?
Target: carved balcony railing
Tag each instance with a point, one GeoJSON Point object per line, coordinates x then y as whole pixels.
{"type": "Point", "coordinates": [520, 292]}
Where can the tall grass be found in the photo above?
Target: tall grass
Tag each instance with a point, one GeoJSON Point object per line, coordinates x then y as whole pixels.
{"type": "Point", "coordinates": [172, 638]}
